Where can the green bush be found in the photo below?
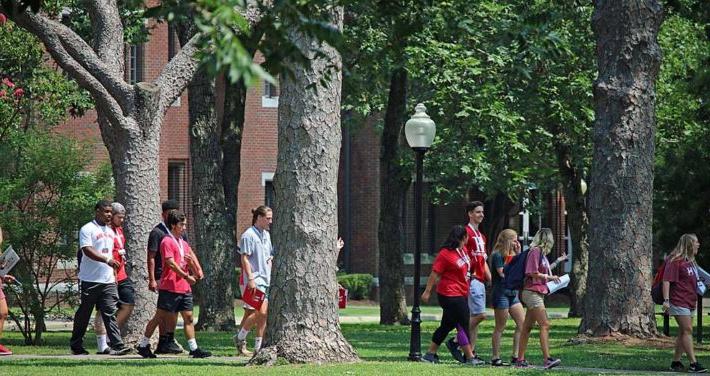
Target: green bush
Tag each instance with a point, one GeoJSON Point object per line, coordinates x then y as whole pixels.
{"type": "Point", "coordinates": [358, 285]}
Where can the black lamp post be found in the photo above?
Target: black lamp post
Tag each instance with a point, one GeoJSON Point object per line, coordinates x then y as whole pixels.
{"type": "Point", "coordinates": [420, 130]}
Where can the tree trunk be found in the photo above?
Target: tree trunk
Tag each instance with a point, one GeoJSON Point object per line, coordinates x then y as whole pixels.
{"type": "Point", "coordinates": [620, 206]}
{"type": "Point", "coordinates": [214, 237]}
{"type": "Point", "coordinates": [394, 182]}
{"type": "Point", "coordinates": [303, 324]}
{"type": "Point", "coordinates": [235, 98]}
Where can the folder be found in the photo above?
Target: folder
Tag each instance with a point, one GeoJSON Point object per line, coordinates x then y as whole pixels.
{"type": "Point", "coordinates": [254, 297]}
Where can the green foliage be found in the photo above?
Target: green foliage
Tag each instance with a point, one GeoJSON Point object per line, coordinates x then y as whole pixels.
{"type": "Point", "coordinates": [358, 285]}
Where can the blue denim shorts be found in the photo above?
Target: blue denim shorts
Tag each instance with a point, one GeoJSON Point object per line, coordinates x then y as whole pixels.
{"type": "Point", "coordinates": [504, 298]}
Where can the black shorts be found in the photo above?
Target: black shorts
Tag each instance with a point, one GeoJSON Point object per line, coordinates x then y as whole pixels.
{"type": "Point", "coordinates": [174, 302]}
{"type": "Point", "coordinates": [126, 293]}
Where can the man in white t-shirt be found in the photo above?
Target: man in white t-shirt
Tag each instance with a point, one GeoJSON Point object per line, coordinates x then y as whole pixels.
{"type": "Point", "coordinates": [97, 276]}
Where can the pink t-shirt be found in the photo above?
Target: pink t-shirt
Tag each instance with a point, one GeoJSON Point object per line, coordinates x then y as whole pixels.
{"type": "Point", "coordinates": [170, 280]}
{"type": "Point", "coordinates": [536, 263]}
{"type": "Point", "coordinates": [681, 274]}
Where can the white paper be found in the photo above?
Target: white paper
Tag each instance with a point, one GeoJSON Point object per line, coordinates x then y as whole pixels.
{"type": "Point", "coordinates": [8, 259]}
{"type": "Point", "coordinates": [555, 286]}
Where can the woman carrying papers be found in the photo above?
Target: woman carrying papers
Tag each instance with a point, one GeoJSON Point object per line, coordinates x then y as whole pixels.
{"type": "Point", "coordinates": [680, 285]}
{"type": "Point", "coordinates": [537, 273]}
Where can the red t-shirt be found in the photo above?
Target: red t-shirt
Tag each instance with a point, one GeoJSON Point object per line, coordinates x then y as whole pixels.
{"type": "Point", "coordinates": [681, 274]}
{"type": "Point", "coordinates": [452, 265]}
{"type": "Point", "coordinates": [119, 242]}
{"type": "Point", "coordinates": [476, 247]}
{"type": "Point", "coordinates": [170, 280]}
{"type": "Point", "coordinates": [536, 263]}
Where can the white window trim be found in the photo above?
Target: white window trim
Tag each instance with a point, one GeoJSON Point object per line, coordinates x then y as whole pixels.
{"type": "Point", "coordinates": [269, 102]}
{"type": "Point", "coordinates": [266, 176]}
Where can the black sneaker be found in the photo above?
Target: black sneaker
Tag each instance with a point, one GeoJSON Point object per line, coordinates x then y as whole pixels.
{"type": "Point", "coordinates": [145, 352]}
{"type": "Point", "coordinates": [513, 360]}
{"type": "Point", "coordinates": [198, 353]}
{"type": "Point", "coordinates": [106, 351]}
{"type": "Point", "coordinates": [168, 347]}
{"type": "Point", "coordinates": [430, 358]}
{"type": "Point", "coordinates": [79, 351]}
{"type": "Point", "coordinates": [454, 350]}
{"type": "Point", "coordinates": [498, 362]}
{"type": "Point", "coordinates": [696, 368]}
{"type": "Point", "coordinates": [677, 366]}
{"type": "Point", "coordinates": [119, 350]}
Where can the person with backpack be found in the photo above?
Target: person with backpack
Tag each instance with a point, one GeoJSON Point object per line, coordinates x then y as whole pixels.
{"type": "Point", "coordinates": [538, 272]}
{"type": "Point", "coordinates": [505, 301]}
{"type": "Point", "coordinates": [680, 294]}
{"type": "Point", "coordinates": [450, 274]}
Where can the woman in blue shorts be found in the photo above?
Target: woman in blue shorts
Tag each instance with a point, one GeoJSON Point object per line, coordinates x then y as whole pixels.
{"type": "Point", "coordinates": [505, 301]}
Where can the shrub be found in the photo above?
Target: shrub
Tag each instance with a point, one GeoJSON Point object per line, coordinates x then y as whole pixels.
{"type": "Point", "coordinates": [358, 285]}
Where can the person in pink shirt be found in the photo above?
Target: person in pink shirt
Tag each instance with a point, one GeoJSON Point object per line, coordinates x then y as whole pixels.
{"type": "Point", "coordinates": [181, 270]}
{"type": "Point", "coordinates": [3, 306]}
{"type": "Point", "coordinates": [680, 285]}
{"type": "Point", "coordinates": [537, 273]}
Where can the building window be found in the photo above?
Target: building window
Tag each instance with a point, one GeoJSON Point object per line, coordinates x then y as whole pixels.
{"type": "Point", "coordinates": [173, 41]}
{"type": "Point", "coordinates": [177, 183]}
{"type": "Point", "coordinates": [134, 63]}
{"type": "Point", "coordinates": [270, 96]}
{"type": "Point", "coordinates": [269, 194]}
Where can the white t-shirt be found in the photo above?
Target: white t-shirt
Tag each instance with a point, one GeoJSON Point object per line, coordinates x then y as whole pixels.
{"type": "Point", "coordinates": [101, 238]}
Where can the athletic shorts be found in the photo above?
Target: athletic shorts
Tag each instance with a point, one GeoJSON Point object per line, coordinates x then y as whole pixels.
{"type": "Point", "coordinates": [477, 297]}
{"type": "Point", "coordinates": [532, 299]}
{"type": "Point", "coordinates": [174, 302]}
{"type": "Point", "coordinates": [504, 298]}
{"type": "Point", "coordinates": [259, 285]}
{"type": "Point", "coordinates": [126, 293]}
{"type": "Point", "coordinates": [680, 311]}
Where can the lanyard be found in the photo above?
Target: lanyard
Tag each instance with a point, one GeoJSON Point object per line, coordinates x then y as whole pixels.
{"type": "Point", "coordinates": [118, 238]}
{"type": "Point", "coordinates": [478, 238]}
{"type": "Point", "coordinates": [464, 257]}
{"type": "Point", "coordinates": [102, 228]}
{"type": "Point", "coordinates": [179, 244]}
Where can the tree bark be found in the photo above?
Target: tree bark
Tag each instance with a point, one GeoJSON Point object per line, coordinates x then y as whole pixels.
{"type": "Point", "coordinates": [394, 182]}
{"type": "Point", "coordinates": [303, 324]}
{"type": "Point", "coordinates": [620, 207]}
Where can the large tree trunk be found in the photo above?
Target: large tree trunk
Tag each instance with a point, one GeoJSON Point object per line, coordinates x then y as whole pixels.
{"type": "Point", "coordinates": [303, 324]}
{"type": "Point", "coordinates": [214, 233]}
{"type": "Point", "coordinates": [394, 182]}
{"type": "Point", "coordinates": [621, 187]}
{"type": "Point", "coordinates": [134, 160]}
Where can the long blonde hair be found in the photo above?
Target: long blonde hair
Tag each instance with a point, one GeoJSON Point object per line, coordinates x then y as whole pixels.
{"type": "Point", "coordinates": [543, 240]}
{"type": "Point", "coordinates": [505, 241]}
{"type": "Point", "coordinates": [684, 248]}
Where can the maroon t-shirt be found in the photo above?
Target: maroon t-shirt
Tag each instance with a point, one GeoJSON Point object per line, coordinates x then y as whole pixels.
{"type": "Point", "coordinates": [681, 274]}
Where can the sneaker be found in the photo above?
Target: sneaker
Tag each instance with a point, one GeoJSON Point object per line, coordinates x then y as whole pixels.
{"type": "Point", "coordinates": [4, 351]}
{"type": "Point", "coordinates": [513, 360]}
{"type": "Point", "coordinates": [241, 346]}
{"type": "Point", "coordinates": [79, 351]}
{"type": "Point", "coordinates": [198, 353]}
{"type": "Point", "coordinates": [498, 362]}
{"type": "Point", "coordinates": [696, 368]}
{"type": "Point", "coordinates": [430, 358]}
{"type": "Point", "coordinates": [677, 366]}
{"type": "Point", "coordinates": [105, 351]}
{"type": "Point", "coordinates": [168, 346]}
{"type": "Point", "coordinates": [551, 363]}
{"type": "Point", "coordinates": [475, 361]}
{"type": "Point", "coordinates": [522, 363]}
{"type": "Point", "coordinates": [145, 352]}
{"type": "Point", "coordinates": [118, 351]}
{"type": "Point", "coordinates": [454, 350]}
{"type": "Point", "coordinates": [478, 358]}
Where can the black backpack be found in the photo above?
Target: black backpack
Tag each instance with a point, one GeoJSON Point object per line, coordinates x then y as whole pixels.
{"type": "Point", "coordinates": [515, 271]}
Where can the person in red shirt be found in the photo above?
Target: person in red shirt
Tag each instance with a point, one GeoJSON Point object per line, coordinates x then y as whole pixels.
{"type": "Point", "coordinates": [680, 284]}
{"type": "Point", "coordinates": [126, 292]}
{"type": "Point", "coordinates": [181, 270]}
{"type": "Point", "coordinates": [480, 273]}
{"type": "Point", "coordinates": [451, 267]}
{"type": "Point", "coordinates": [3, 306]}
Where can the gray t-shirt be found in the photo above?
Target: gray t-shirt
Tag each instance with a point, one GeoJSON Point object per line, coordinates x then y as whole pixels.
{"type": "Point", "coordinates": [256, 244]}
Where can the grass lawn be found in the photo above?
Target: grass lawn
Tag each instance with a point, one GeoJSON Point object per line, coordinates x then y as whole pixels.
{"type": "Point", "coordinates": [383, 350]}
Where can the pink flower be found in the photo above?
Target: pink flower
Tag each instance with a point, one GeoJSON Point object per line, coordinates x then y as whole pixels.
{"type": "Point", "coordinates": [3, 19]}
{"type": "Point", "coordinates": [18, 93]}
{"type": "Point", "coordinates": [3, 93]}
{"type": "Point", "coordinates": [8, 83]}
